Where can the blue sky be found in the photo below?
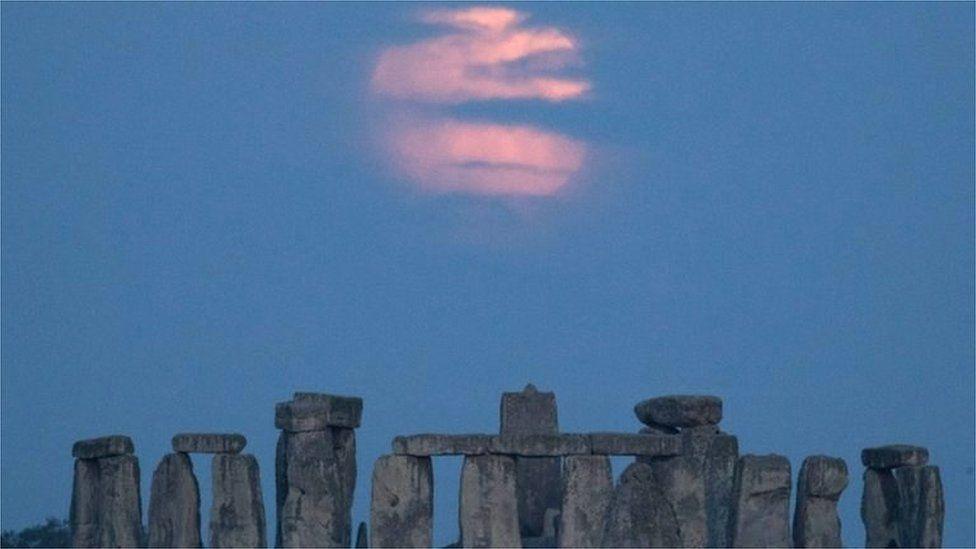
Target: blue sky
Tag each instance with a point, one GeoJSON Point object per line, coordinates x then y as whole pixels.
{"type": "Point", "coordinates": [200, 215]}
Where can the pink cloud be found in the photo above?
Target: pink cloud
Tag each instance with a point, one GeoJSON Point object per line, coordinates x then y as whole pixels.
{"type": "Point", "coordinates": [486, 159]}
{"type": "Point", "coordinates": [479, 61]}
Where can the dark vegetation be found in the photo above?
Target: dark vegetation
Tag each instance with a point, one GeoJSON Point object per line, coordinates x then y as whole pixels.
{"type": "Point", "coordinates": [52, 533]}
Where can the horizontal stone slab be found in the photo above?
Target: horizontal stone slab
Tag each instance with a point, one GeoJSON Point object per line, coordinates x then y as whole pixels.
{"type": "Point", "coordinates": [317, 412]}
{"type": "Point", "coordinates": [442, 445]}
{"type": "Point", "coordinates": [628, 444]}
{"type": "Point", "coordinates": [680, 410]}
{"type": "Point", "coordinates": [209, 443]}
{"type": "Point", "coordinates": [566, 444]}
{"type": "Point", "coordinates": [894, 455]}
{"type": "Point", "coordinates": [114, 445]}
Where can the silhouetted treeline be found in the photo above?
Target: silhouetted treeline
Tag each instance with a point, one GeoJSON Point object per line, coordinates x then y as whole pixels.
{"type": "Point", "coordinates": [53, 533]}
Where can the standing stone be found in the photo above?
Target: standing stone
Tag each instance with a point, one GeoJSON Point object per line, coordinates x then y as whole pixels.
{"type": "Point", "coordinates": [237, 511]}
{"type": "Point", "coordinates": [921, 506]}
{"type": "Point", "coordinates": [880, 508]}
{"type": "Point", "coordinates": [488, 513]}
{"type": "Point", "coordinates": [119, 503]}
{"type": "Point", "coordinates": [720, 458]}
{"type": "Point", "coordinates": [681, 481]}
{"type": "Point", "coordinates": [174, 504]}
{"type": "Point", "coordinates": [640, 515]}
{"type": "Point", "coordinates": [312, 511]}
{"type": "Point", "coordinates": [531, 412]}
{"type": "Point", "coordinates": [761, 502]}
{"type": "Point", "coordinates": [587, 492]}
{"type": "Point", "coordinates": [402, 503]}
{"type": "Point", "coordinates": [344, 452]}
{"type": "Point", "coordinates": [83, 516]}
{"type": "Point", "coordinates": [819, 486]}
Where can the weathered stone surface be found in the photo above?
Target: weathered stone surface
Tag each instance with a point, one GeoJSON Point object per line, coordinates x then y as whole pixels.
{"type": "Point", "coordinates": [313, 510]}
{"type": "Point", "coordinates": [315, 412]}
{"type": "Point", "coordinates": [921, 506]}
{"type": "Point", "coordinates": [587, 492]}
{"type": "Point", "coordinates": [628, 444]}
{"type": "Point", "coordinates": [530, 412]}
{"type": "Point", "coordinates": [640, 516]}
{"type": "Point", "coordinates": [680, 410]}
{"type": "Point", "coordinates": [761, 502]}
{"type": "Point", "coordinates": [488, 513]}
{"type": "Point", "coordinates": [114, 445]}
{"type": "Point", "coordinates": [402, 503]}
{"type": "Point", "coordinates": [362, 541]}
{"type": "Point", "coordinates": [119, 503]}
{"type": "Point", "coordinates": [720, 453]}
{"type": "Point", "coordinates": [344, 450]}
{"type": "Point", "coordinates": [656, 429]}
{"type": "Point", "coordinates": [819, 485]}
{"type": "Point", "coordinates": [281, 482]}
{"type": "Point", "coordinates": [894, 455]}
{"type": "Point", "coordinates": [237, 512]}
{"type": "Point", "coordinates": [174, 504]}
{"type": "Point", "coordinates": [83, 516]}
{"type": "Point", "coordinates": [681, 481]}
{"type": "Point", "coordinates": [209, 443]}
{"type": "Point", "coordinates": [880, 508]}
{"type": "Point", "coordinates": [442, 445]}
{"type": "Point", "coordinates": [554, 445]}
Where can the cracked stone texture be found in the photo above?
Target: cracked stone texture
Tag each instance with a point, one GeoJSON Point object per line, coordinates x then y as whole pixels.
{"type": "Point", "coordinates": [640, 515]}
{"type": "Point", "coordinates": [237, 511]}
{"type": "Point", "coordinates": [209, 443]}
{"type": "Point", "coordinates": [820, 483]}
{"type": "Point", "coordinates": [921, 506]}
{"type": "Point", "coordinates": [402, 502]}
{"type": "Point", "coordinates": [317, 412]}
{"type": "Point", "coordinates": [93, 448]}
{"type": "Point", "coordinates": [680, 411]}
{"type": "Point", "coordinates": [894, 455]}
{"type": "Point", "coordinates": [879, 508]}
{"type": "Point", "coordinates": [174, 504]}
{"type": "Point", "coordinates": [587, 492]}
{"type": "Point", "coordinates": [761, 502]}
{"type": "Point", "coordinates": [488, 510]}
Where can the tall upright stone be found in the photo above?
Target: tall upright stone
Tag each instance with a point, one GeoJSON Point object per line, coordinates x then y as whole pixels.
{"type": "Point", "coordinates": [83, 516]}
{"type": "Point", "coordinates": [531, 412]}
{"type": "Point", "coordinates": [237, 516]}
{"type": "Point", "coordinates": [698, 483]}
{"type": "Point", "coordinates": [761, 502]}
{"type": "Point", "coordinates": [640, 514]}
{"type": "Point", "coordinates": [488, 510]}
{"type": "Point", "coordinates": [879, 508]}
{"type": "Point", "coordinates": [921, 505]}
{"type": "Point", "coordinates": [315, 469]}
{"type": "Point", "coordinates": [174, 504]}
{"type": "Point", "coordinates": [106, 510]}
{"type": "Point", "coordinates": [820, 483]}
{"type": "Point", "coordinates": [587, 493]}
{"type": "Point", "coordinates": [402, 502]}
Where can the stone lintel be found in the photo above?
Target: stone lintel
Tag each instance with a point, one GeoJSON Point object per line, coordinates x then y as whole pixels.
{"type": "Point", "coordinates": [565, 444]}
{"type": "Point", "coordinates": [894, 455]}
{"type": "Point", "coordinates": [209, 443]}
{"type": "Point", "coordinates": [94, 448]}
{"type": "Point", "coordinates": [627, 444]}
{"type": "Point", "coordinates": [317, 412]}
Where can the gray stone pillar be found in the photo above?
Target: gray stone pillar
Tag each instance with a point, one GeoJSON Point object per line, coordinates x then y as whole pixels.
{"type": "Point", "coordinates": [106, 510]}
{"type": "Point", "coordinates": [174, 504]}
{"type": "Point", "coordinates": [761, 502]}
{"type": "Point", "coordinates": [698, 484]}
{"type": "Point", "coordinates": [922, 508]}
{"type": "Point", "coordinates": [879, 508]}
{"type": "Point", "coordinates": [237, 511]}
{"type": "Point", "coordinates": [531, 412]}
{"type": "Point", "coordinates": [819, 486]}
{"type": "Point", "coordinates": [587, 492]}
{"type": "Point", "coordinates": [902, 504]}
{"type": "Point", "coordinates": [402, 502]}
{"type": "Point", "coordinates": [640, 514]}
{"type": "Point", "coordinates": [488, 510]}
{"type": "Point", "coordinates": [315, 470]}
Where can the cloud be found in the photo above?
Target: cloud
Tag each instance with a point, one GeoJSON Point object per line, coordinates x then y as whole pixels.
{"type": "Point", "coordinates": [485, 158]}
{"type": "Point", "coordinates": [482, 60]}
{"type": "Point", "coordinates": [487, 54]}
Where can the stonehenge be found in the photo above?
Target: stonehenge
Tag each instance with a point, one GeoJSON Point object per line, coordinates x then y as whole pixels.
{"type": "Point", "coordinates": [902, 503]}
{"type": "Point", "coordinates": [528, 485]}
